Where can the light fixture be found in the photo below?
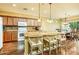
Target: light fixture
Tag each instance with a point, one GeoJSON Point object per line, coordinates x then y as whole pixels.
{"type": "Point", "coordinates": [13, 5]}
{"type": "Point", "coordinates": [66, 17]}
{"type": "Point", "coordinates": [49, 21]}
{"type": "Point", "coordinates": [32, 9]}
{"type": "Point", "coordinates": [39, 19]}
{"type": "Point", "coordinates": [25, 9]}
{"type": "Point", "coordinates": [50, 18]}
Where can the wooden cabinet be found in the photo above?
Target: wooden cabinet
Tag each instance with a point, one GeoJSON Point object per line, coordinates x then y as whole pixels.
{"type": "Point", "coordinates": [37, 23]}
{"type": "Point", "coordinates": [14, 35]}
{"type": "Point", "coordinates": [10, 21]}
{"type": "Point", "coordinates": [15, 21]}
{"type": "Point", "coordinates": [9, 36]}
{"type": "Point", "coordinates": [21, 20]}
{"type": "Point", "coordinates": [6, 36]}
{"type": "Point", "coordinates": [5, 21]}
{"type": "Point", "coordinates": [33, 22]}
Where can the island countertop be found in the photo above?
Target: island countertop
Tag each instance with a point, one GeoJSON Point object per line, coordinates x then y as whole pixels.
{"type": "Point", "coordinates": [35, 34]}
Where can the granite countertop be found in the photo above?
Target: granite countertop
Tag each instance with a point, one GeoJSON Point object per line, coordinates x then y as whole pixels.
{"type": "Point", "coordinates": [36, 34]}
{"type": "Point", "coordinates": [33, 34]}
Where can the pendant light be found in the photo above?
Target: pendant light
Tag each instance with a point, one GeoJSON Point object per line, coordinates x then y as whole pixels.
{"type": "Point", "coordinates": [66, 18]}
{"type": "Point", "coordinates": [39, 19]}
{"type": "Point", "coordinates": [50, 19]}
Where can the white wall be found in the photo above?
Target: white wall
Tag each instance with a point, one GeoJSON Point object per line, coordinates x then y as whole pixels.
{"type": "Point", "coordinates": [50, 27]}
{"type": "Point", "coordinates": [1, 32]}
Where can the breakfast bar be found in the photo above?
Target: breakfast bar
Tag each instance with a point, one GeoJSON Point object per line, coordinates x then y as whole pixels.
{"type": "Point", "coordinates": [42, 41]}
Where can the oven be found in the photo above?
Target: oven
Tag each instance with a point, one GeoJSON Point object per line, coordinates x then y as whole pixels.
{"type": "Point", "coordinates": [22, 28]}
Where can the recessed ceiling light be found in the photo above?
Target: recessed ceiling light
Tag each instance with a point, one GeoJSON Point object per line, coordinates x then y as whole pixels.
{"type": "Point", "coordinates": [32, 9]}
{"type": "Point", "coordinates": [13, 5]}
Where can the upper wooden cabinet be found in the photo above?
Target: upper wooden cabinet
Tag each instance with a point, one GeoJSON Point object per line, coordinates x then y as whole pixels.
{"type": "Point", "coordinates": [33, 23]}
{"type": "Point", "coordinates": [5, 21]}
{"type": "Point", "coordinates": [10, 20]}
{"type": "Point", "coordinates": [15, 21]}
{"type": "Point", "coordinates": [22, 20]}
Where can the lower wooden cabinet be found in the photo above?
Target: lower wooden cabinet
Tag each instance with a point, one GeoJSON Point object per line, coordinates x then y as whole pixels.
{"type": "Point", "coordinates": [14, 35]}
{"type": "Point", "coordinates": [5, 36]}
{"type": "Point", "coordinates": [10, 36]}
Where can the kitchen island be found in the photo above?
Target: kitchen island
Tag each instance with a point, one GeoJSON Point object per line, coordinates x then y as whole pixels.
{"type": "Point", "coordinates": [31, 35]}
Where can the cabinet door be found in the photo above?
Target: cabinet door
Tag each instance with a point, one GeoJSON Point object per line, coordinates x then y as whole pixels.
{"type": "Point", "coordinates": [32, 22]}
{"type": "Point", "coordinates": [35, 23]}
{"type": "Point", "coordinates": [39, 24]}
{"type": "Point", "coordinates": [9, 36]}
{"type": "Point", "coordinates": [6, 36]}
{"type": "Point", "coordinates": [29, 22]}
{"type": "Point", "coordinates": [15, 21]}
{"type": "Point", "coordinates": [22, 20]}
{"type": "Point", "coordinates": [5, 21]}
{"type": "Point", "coordinates": [10, 21]}
{"type": "Point", "coordinates": [14, 36]}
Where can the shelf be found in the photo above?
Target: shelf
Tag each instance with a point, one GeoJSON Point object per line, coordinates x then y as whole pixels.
{"type": "Point", "coordinates": [18, 26]}
{"type": "Point", "coordinates": [33, 26]}
{"type": "Point", "coordinates": [11, 30]}
{"type": "Point", "coordinates": [10, 25]}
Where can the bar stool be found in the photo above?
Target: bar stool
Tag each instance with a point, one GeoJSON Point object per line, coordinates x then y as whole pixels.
{"type": "Point", "coordinates": [36, 43]}
{"type": "Point", "coordinates": [62, 42]}
{"type": "Point", "coordinates": [51, 41]}
{"type": "Point", "coordinates": [55, 44]}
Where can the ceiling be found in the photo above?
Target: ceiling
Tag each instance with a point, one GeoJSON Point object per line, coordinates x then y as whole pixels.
{"type": "Point", "coordinates": [59, 10]}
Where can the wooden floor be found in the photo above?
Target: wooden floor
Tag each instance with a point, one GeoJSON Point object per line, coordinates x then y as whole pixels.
{"type": "Point", "coordinates": [17, 48]}
{"type": "Point", "coordinates": [12, 48]}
